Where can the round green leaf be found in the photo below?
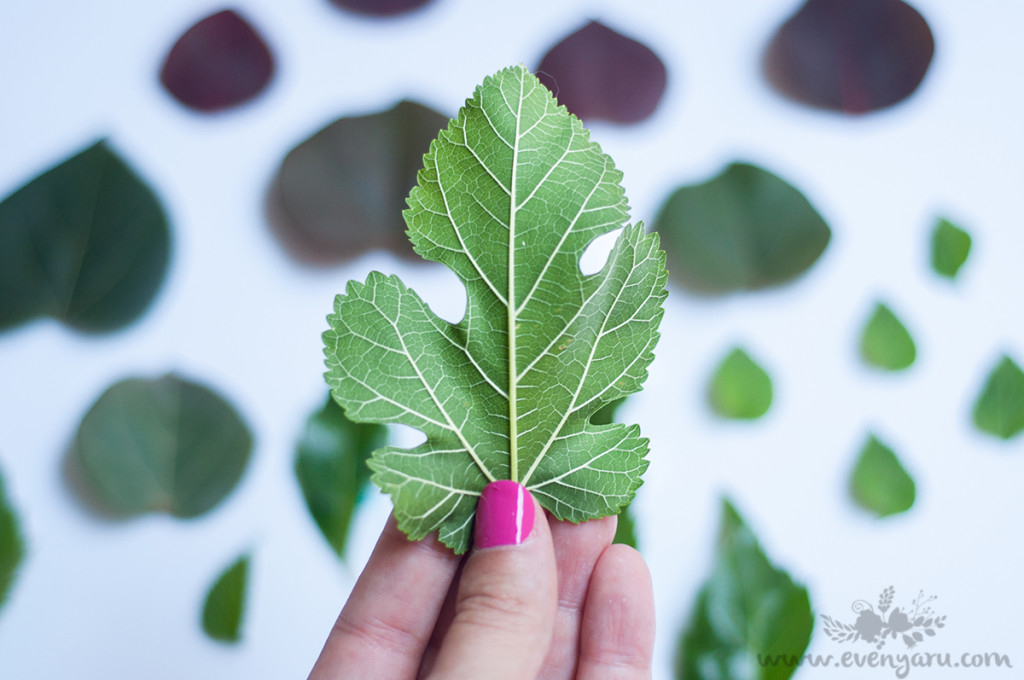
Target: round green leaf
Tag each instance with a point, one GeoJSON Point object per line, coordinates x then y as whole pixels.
{"type": "Point", "coordinates": [885, 342]}
{"type": "Point", "coordinates": [164, 445]}
{"type": "Point", "coordinates": [743, 230]}
{"type": "Point", "coordinates": [86, 242]}
{"type": "Point", "coordinates": [999, 410]}
{"type": "Point", "coordinates": [12, 548]}
{"type": "Point", "coordinates": [740, 388]}
{"type": "Point", "coordinates": [879, 483]}
{"type": "Point", "coordinates": [225, 603]}
{"type": "Point", "coordinates": [950, 247]}
{"type": "Point", "coordinates": [332, 471]}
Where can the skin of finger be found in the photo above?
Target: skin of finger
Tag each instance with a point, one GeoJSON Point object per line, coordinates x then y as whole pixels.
{"type": "Point", "coordinates": [617, 638]}
{"type": "Point", "coordinates": [388, 619]}
{"type": "Point", "coordinates": [577, 549]}
{"type": "Point", "coordinates": [504, 612]}
{"type": "Point", "coordinates": [444, 622]}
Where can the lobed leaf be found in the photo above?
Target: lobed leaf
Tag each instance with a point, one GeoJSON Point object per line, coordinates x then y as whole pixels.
{"type": "Point", "coordinates": [510, 195]}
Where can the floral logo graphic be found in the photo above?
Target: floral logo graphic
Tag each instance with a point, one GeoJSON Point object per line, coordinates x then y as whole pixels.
{"type": "Point", "coordinates": [877, 626]}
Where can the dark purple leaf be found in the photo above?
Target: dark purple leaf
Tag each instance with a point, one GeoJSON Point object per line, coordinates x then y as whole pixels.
{"type": "Point", "coordinates": [600, 74]}
{"type": "Point", "coordinates": [381, 8]}
{"type": "Point", "coordinates": [341, 192]}
{"type": "Point", "coordinates": [850, 55]}
{"type": "Point", "coordinates": [218, 63]}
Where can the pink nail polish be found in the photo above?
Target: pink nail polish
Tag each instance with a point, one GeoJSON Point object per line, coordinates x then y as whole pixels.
{"type": "Point", "coordinates": [504, 514]}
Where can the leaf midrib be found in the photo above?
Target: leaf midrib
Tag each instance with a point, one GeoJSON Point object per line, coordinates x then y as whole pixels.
{"type": "Point", "coordinates": [513, 415]}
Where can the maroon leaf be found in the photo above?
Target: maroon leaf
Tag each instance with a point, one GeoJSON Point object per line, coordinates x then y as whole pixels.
{"type": "Point", "coordinates": [598, 73]}
{"type": "Point", "coordinates": [341, 192]}
{"type": "Point", "coordinates": [852, 56]}
{"type": "Point", "coordinates": [218, 63]}
{"type": "Point", "coordinates": [380, 7]}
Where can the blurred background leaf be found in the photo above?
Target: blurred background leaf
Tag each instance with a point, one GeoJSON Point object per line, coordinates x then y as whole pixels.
{"type": "Point", "coordinates": [382, 8]}
{"type": "Point", "coordinates": [341, 192]}
{"type": "Point", "coordinates": [879, 483]}
{"type": "Point", "coordinates": [12, 546]}
{"type": "Point", "coordinates": [743, 230]}
{"type": "Point", "coordinates": [747, 607]}
{"type": "Point", "coordinates": [950, 247]}
{"type": "Point", "coordinates": [999, 410]}
{"type": "Point", "coordinates": [224, 606]}
{"type": "Point", "coordinates": [218, 63]}
{"type": "Point", "coordinates": [885, 342]}
{"type": "Point", "coordinates": [331, 468]}
{"type": "Point", "coordinates": [740, 388]}
{"type": "Point", "coordinates": [600, 74]}
{"type": "Point", "coordinates": [847, 56]}
{"type": "Point", "coordinates": [86, 242]}
{"type": "Point", "coordinates": [163, 445]}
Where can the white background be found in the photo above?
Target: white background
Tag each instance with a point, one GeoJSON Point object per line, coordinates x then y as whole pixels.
{"type": "Point", "coordinates": [122, 600]}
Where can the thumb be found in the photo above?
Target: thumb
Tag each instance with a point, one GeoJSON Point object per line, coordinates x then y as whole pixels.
{"type": "Point", "coordinates": [507, 597]}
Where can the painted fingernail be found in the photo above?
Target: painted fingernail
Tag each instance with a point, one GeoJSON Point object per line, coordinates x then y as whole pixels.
{"type": "Point", "coordinates": [504, 514]}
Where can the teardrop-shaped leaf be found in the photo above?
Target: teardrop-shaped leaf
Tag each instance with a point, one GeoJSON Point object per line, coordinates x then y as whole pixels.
{"type": "Point", "coordinates": [747, 608]}
{"type": "Point", "coordinates": [850, 56]}
{"type": "Point", "coordinates": [341, 192]}
{"type": "Point", "coordinates": [599, 74]}
{"type": "Point", "coordinates": [225, 603]}
{"type": "Point", "coordinates": [879, 483]}
{"type": "Point", "coordinates": [510, 196]}
{"type": "Point", "coordinates": [332, 471]}
{"type": "Point", "coordinates": [743, 230]}
{"type": "Point", "coordinates": [12, 546]}
{"type": "Point", "coordinates": [999, 410]}
{"type": "Point", "coordinates": [885, 342]}
{"type": "Point", "coordinates": [950, 247]}
{"type": "Point", "coordinates": [740, 388]}
{"type": "Point", "coordinates": [163, 445]}
{"type": "Point", "coordinates": [86, 242]}
{"type": "Point", "coordinates": [218, 63]}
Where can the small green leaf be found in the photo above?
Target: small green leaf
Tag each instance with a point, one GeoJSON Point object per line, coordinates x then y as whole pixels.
{"type": "Point", "coordinates": [740, 388]}
{"type": "Point", "coordinates": [12, 547]}
{"type": "Point", "coordinates": [885, 342]}
{"type": "Point", "coordinates": [86, 242]}
{"type": "Point", "coordinates": [164, 445]}
{"type": "Point", "coordinates": [879, 483]}
{"type": "Point", "coordinates": [225, 603]}
{"type": "Point", "coordinates": [743, 230]}
{"type": "Point", "coordinates": [510, 196]}
{"type": "Point", "coordinates": [625, 530]}
{"type": "Point", "coordinates": [747, 608]}
{"type": "Point", "coordinates": [999, 410]}
{"type": "Point", "coordinates": [332, 471]}
{"type": "Point", "coordinates": [950, 247]}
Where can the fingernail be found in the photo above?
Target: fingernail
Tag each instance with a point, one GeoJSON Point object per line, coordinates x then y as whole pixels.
{"type": "Point", "coordinates": [504, 514]}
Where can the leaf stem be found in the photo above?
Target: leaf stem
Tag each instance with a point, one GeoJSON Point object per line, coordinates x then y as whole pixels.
{"type": "Point", "coordinates": [513, 425]}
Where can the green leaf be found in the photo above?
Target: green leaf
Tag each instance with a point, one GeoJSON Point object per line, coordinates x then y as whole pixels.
{"type": "Point", "coordinates": [950, 247]}
{"type": "Point", "coordinates": [879, 483]}
{"type": "Point", "coordinates": [747, 609]}
{"type": "Point", "coordinates": [510, 196]}
{"type": "Point", "coordinates": [885, 342]}
{"type": "Point", "coordinates": [332, 471]}
{"type": "Point", "coordinates": [625, 530]}
{"type": "Point", "coordinates": [164, 445]}
{"type": "Point", "coordinates": [12, 546]}
{"type": "Point", "coordinates": [999, 409]}
{"type": "Point", "coordinates": [743, 230]}
{"type": "Point", "coordinates": [225, 603]}
{"type": "Point", "coordinates": [86, 242]}
{"type": "Point", "coordinates": [740, 388]}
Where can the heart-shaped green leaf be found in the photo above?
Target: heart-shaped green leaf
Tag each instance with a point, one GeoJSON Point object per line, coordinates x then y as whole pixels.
{"type": "Point", "coordinates": [950, 247]}
{"type": "Point", "coordinates": [510, 196]}
{"type": "Point", "coordinates": [12, 547]}
{"type": "Point", "coordinates": [885, 342]}
{"type": "Point", "coordinates": [332, 471]}
{"type": "Point", "coordinates": [740, 388]}
{"type": "Point", "coordinates": [879, 483]}
{"type": "Point", "coordinates": [743, 230]}
{"type": "Point", "coordinates": [86, 242]}
{"type": "Point", "coordinates": [225, 603]}
{"type": "Point", "coordinates": [999, 410]}
{"type": "Point", "coordinates": [748, 608]}
{"type": "Point", "coordinates": [164, 445]}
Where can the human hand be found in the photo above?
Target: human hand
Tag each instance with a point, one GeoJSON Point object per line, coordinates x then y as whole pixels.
{"type": "Point", "coordinates": [551, 600]}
